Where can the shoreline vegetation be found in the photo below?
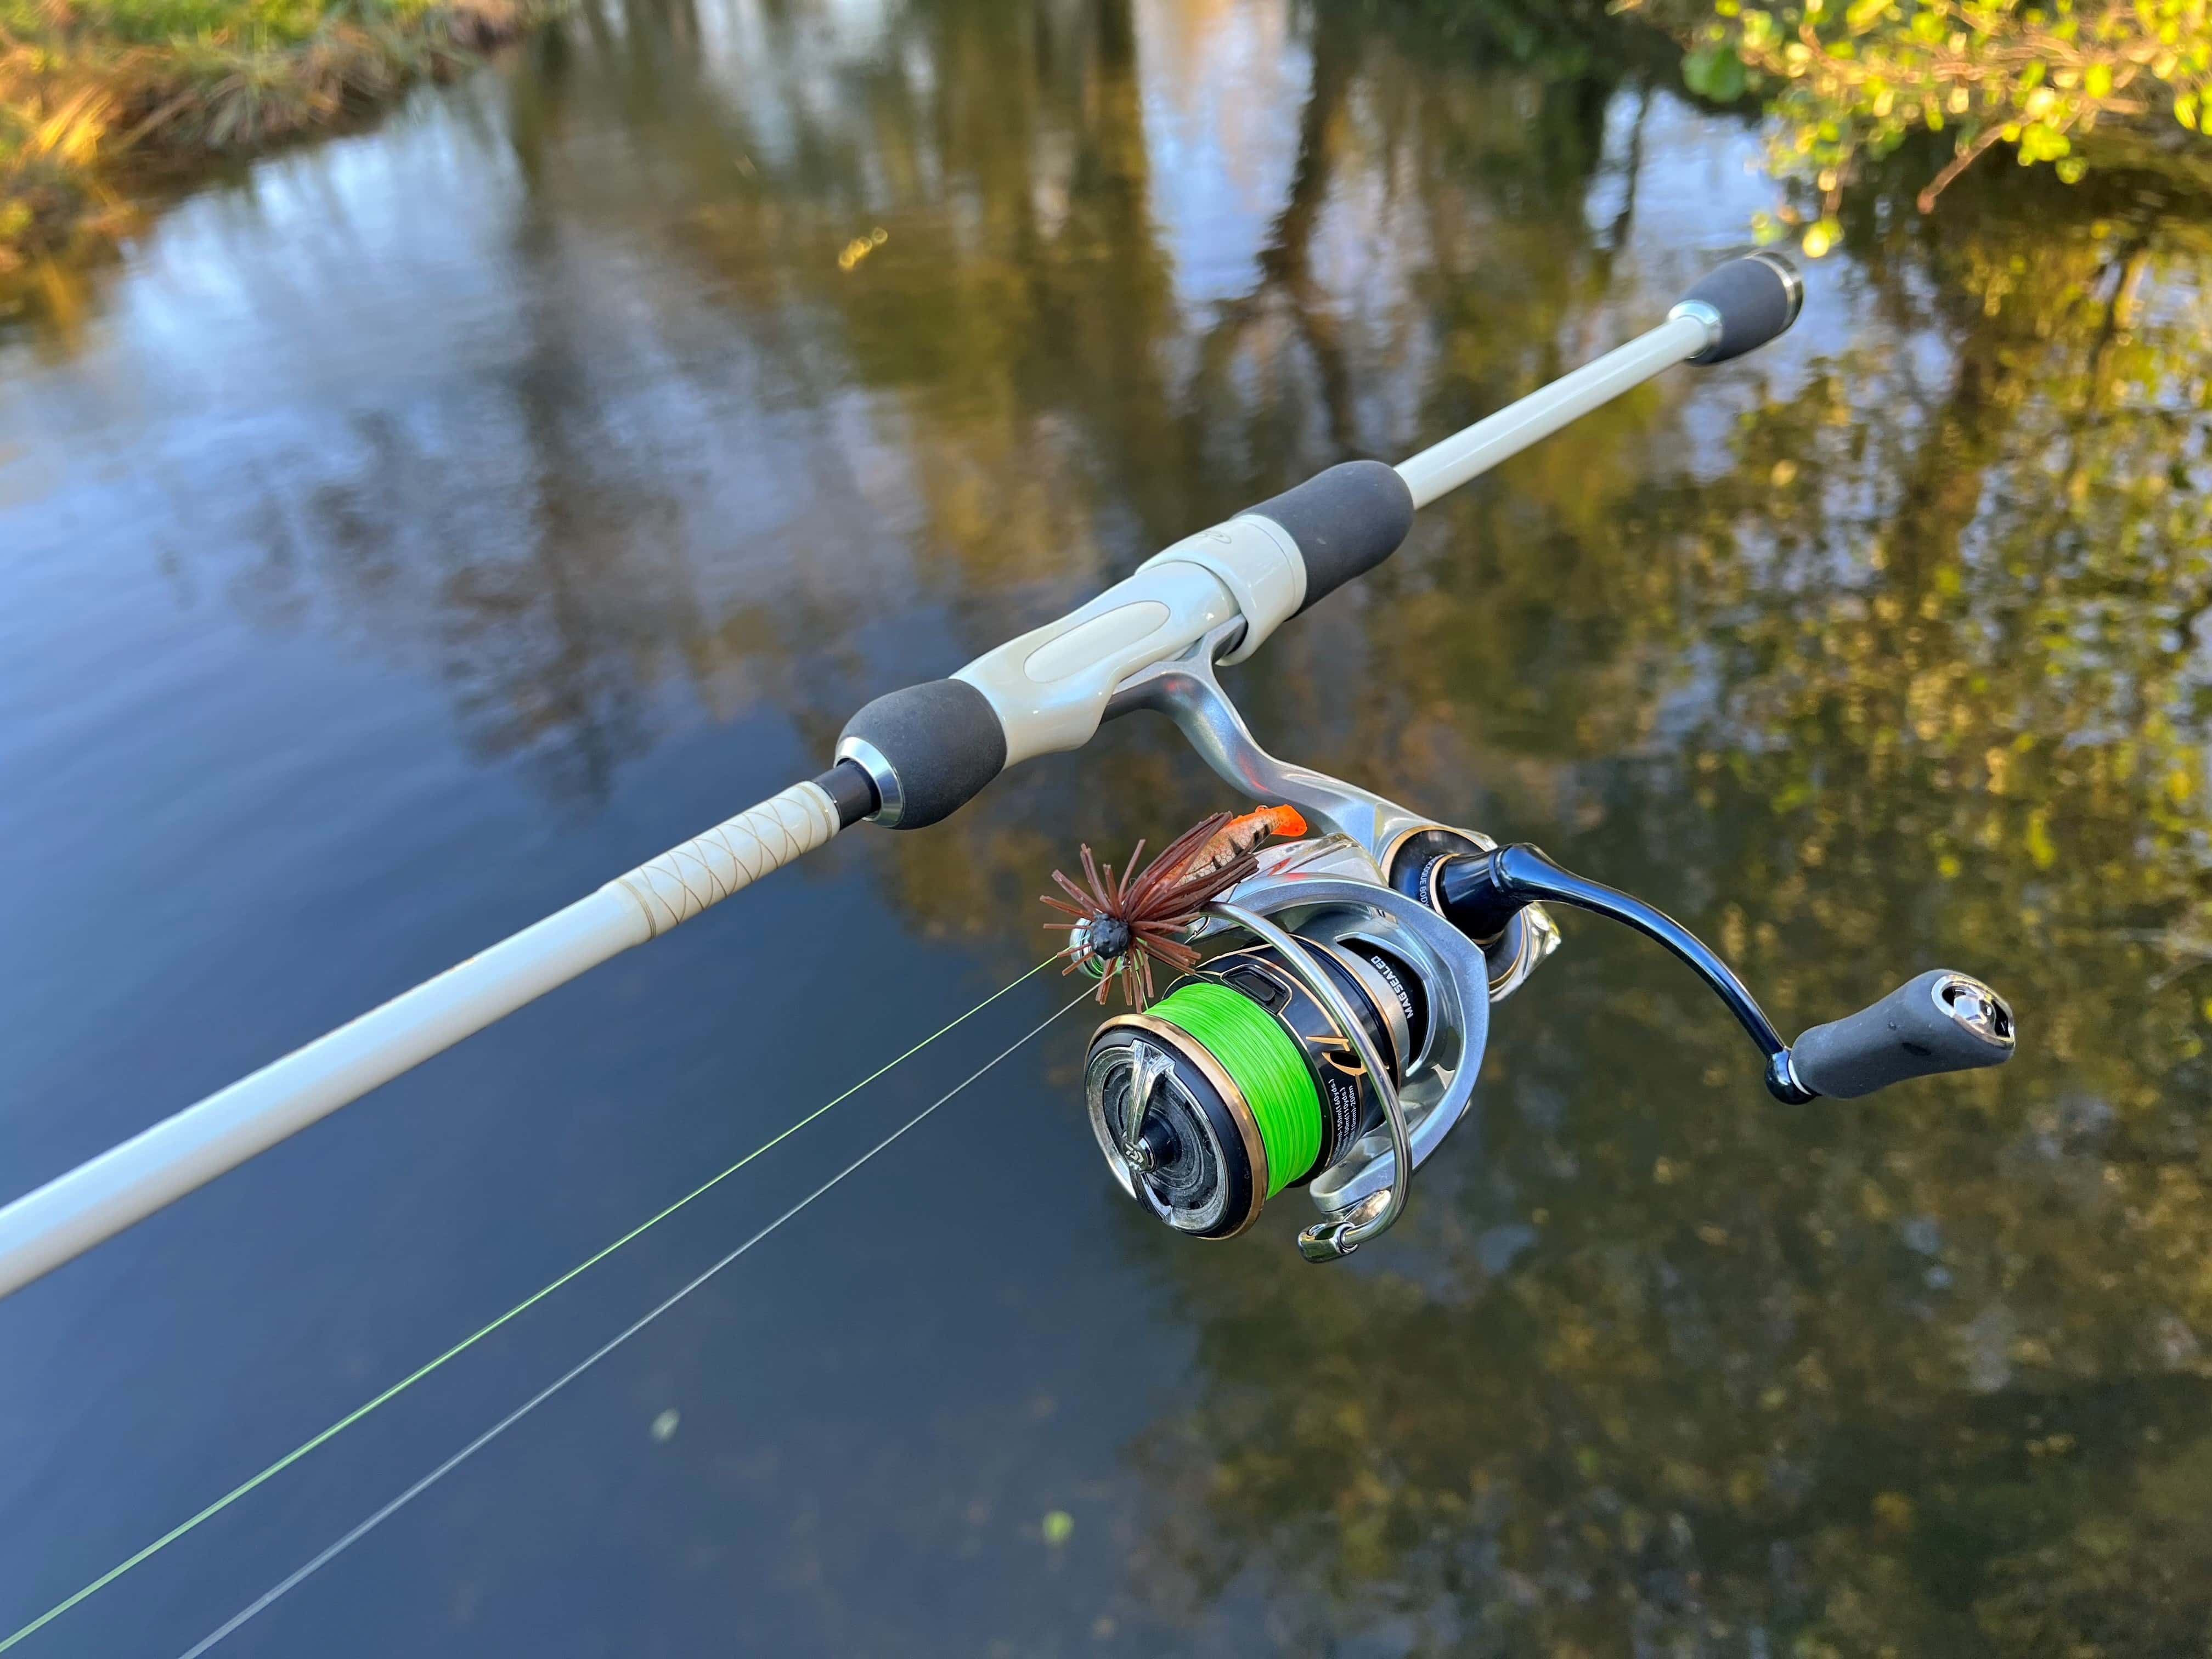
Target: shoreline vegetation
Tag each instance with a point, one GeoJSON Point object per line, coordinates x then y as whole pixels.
{"type": "Point", "coordinates": [103, 95]}
{"type": "Point", "coordinates": [102, 101]}
{"type": "Point", "coordinates": [1845, 83]}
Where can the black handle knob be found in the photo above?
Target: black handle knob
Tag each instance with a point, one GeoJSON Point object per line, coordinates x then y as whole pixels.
{"type": "Point", "coordinates": [1753, 299]}
{"type": "Point", "coordinates": [1938, 1021]}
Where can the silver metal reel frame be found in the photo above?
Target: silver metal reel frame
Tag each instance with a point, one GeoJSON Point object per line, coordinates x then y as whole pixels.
{"type": "Point", "coordinates": [1364, 1193]}
{"type": "Point", "coordinates": [1189, 692]}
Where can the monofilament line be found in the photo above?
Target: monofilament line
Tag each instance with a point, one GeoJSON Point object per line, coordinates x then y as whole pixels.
{"type": "Point", "coordinates": [470, 1340]}
{"type": "Point", "coordinates": [348, 1539]}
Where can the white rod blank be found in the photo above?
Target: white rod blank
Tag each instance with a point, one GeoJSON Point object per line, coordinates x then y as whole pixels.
{"type": "Point", "coordinates": [70, 1214]}
{"type": "Point", "coordinates": [74, 1211]}
{"type": "Point", "coordinates": [1468, 454]}
{"type": "Point", "coordinates": [95, 1201]}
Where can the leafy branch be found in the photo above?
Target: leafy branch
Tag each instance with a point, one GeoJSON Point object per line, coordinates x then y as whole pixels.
{"type": "Point", "coordinates": [1846, 81]}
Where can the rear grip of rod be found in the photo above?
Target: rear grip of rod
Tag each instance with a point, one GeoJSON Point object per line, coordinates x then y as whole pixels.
{"type": "Point", "coordinates": [940, 742]}
{"type": "Point", "coordinates": [1907, 1034]}
{"type": "Point", "coordinates": [1345, 522]}
{"type": "Point", "coordinates": [1755, 298]}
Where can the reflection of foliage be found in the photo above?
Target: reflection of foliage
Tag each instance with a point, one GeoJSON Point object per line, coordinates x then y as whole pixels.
{"type": "Point", "coordinates": [1914, 677]}
{"type": "Point", "coordinates": [1909, 666]}
{"type": "Point", "coordinates": [1909, 672]}
{"type": "Point", "coordinates": [1564, 40]}
{"type": "Point", "coordinates": [1848, 79]}
{"type": "Point", "coordinates": [1921, 675]}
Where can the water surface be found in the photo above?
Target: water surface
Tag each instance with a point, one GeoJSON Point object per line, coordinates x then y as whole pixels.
{"type": "Point", "coordinates": [413, 532]}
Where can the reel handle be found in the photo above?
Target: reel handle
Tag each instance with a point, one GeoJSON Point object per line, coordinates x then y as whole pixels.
{"type": "Point", "coordinates": [1938, 1021]}
{"type": "Point", "coordinates": [1942, 1021]}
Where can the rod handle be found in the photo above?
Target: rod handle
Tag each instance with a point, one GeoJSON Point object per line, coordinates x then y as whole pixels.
{"type": "Point", "coordinates": [1940, 1021]}
{"type": "Point", "coordinates": [1744, 304]}
{"type": "Point", "coordinates": [1345, 520]}
{"type": "Point", "coordinates": [926, 749]}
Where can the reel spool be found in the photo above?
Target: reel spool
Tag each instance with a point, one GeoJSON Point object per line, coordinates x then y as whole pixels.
{"type": "Point", "coordinates": [1334, 1048]}
{"type": "Point", "coordinates": [1242, 1082]}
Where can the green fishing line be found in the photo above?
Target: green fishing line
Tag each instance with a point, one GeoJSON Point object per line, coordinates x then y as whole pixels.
{"type": "Point", "coordinates": [479, 1335]}
{"type": "Point", "coordinates": [1265, 1063]}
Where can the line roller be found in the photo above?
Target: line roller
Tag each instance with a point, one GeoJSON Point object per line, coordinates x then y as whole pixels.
{"type": "Point", "coordinates": [1371, 949]}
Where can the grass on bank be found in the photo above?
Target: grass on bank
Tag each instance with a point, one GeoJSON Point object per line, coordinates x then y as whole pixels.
{"type": "Point", "coordinates": [90, 90]}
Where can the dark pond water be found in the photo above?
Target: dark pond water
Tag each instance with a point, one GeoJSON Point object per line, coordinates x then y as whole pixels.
{"type": "Point", "coordinates": [417, 530]}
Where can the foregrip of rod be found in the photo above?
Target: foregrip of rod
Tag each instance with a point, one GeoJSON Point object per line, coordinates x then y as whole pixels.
{"type": "Point", "coordinates": [1345, 522]}
{"type": "Point", "coordinates": [928, 749]}
{"type": "Point", "coordinates": [684, 880]}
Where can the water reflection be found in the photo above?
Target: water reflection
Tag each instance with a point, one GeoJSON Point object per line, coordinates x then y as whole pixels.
{"type": "Point", "coordinates": [1887, 650]}
{"type": "Point", "coordinates": [1918, 674]}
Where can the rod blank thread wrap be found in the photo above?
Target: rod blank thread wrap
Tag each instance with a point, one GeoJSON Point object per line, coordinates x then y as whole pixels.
{"type": "Point", "coordinates": [943, 743]}
{"type": "Point", "coordinates": [1755, 299]}
{"type": "Point", "coordinates": [706, 869]}
{"type": "Point", "coordinates": [126, 1183]}
{"type": "Point", "coordinates": [1345, 522]}
{"type": "Point", "coordinates": [1907, 1034]}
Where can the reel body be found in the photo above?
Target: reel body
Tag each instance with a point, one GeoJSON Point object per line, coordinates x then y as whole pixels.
{"type": "Point", "coordinates": [1309, 1053]}
{"type": "Point", "coordinates": [1336, 1043]}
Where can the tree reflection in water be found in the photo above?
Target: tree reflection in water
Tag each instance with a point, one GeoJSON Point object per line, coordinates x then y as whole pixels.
{"type": "Point", "coordinates": [1887, 652]}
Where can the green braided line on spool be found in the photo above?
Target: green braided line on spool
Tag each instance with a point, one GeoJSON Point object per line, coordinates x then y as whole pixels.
{"type": "Point", "coordinates": [1266, 1065]}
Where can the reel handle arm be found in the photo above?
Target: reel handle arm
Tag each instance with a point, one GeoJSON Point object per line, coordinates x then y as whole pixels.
{"type": "Point", "coordinates": [1940, 1021]}
{"type": "Point", "coordinates": [1478, 893]}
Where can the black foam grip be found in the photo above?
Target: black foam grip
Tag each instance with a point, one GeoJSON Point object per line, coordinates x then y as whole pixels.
{"type": "Point", "coordinates": [942, 741]}
{"type": "Point", "coordinates": [1907, 1034]}
{"type": "Point", "coordinates": [1345, 522]}
{"type": "Point", "coordinates": [1755, 298]}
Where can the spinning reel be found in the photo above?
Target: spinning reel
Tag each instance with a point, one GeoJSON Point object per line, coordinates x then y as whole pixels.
{"type": "Point", "coordinates": [1332, 1037]}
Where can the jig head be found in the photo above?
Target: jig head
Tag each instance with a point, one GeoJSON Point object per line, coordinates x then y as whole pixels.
{"type": "Point", "coordinates": [1123, 927]}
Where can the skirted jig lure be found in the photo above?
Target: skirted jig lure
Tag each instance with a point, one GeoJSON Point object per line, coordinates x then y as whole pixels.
{"type": "Point", "coordinates": [1121, 927]}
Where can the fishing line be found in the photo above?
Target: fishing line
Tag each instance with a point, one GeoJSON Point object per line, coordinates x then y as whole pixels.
{"type": "Point", "coordinates": [348, 1539]}
{"type": "Point", "coordinates": [1266, 1065]}
{"type": "Point", "coordinates": [470, 1341]}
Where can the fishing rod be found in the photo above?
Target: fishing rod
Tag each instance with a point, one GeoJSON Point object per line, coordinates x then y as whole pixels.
{"type": "Point", "coordinates": [1377, 945]}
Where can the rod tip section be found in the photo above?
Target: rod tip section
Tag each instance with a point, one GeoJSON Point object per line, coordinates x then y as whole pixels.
{"type": "Point", "coordinates": [1345, 522]}
{"type": "Point", "coordinates": [1744, 304]}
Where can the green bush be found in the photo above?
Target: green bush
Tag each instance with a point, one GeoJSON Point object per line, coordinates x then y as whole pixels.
{"type": "Point", "coordinates": [1847, 82]}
